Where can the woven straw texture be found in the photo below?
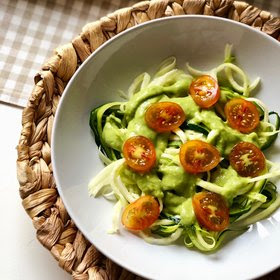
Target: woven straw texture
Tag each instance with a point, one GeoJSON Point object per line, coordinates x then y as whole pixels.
{"type": "Point", "coordinates": [55, 229]}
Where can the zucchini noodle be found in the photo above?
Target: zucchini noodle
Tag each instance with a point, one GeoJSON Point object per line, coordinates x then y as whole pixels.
{"type": "Point", "coordinates": [139, 83]}
{"type": "Point", "coordinates": [207, 241]}
{"type": "Point", "coordinates": [117, 210]}
{"type": "Point", "coordinates": [108, 193]}
{"type": "Point", "coordinates": [229, 59]}
{"type": "Point", "coordinates": [166, 66]}
{"type": "Point", "coordinates": [263, 107]}
{"type": "Point", "coordinates": [257, 197]}
{"type": "Point", "coordinates": [269, 133]}
{"type": "Point", "coordinates": [192, 135]}
{"type": "Point", "coordinates": [254, 207]}
{"type": "Point", "coordinates": [105, 178]}
{"type": "Point", "coordinates": [196, 72]}
{"type": "Point", "coordinates": [160, 204]}
{"type": "Point", "coordinates": [254, 84]}
{"type": "Point", "coordinates": [163, 222]}
{"type": "Point", "coordinates": [212, 135]}
{"type": "Point", "coordinates": [261, 215]}
{"type": "Point", "coordinates": [229, 66]}
{"type": "Point", "coordinates": [228, 53]}
{"type": "Point", "coordinates": [104, 158]}
{"type": "Point", "coordinates": [222, 190]}
{"type": "Point", "coordinates": [271, 174]}
{"type": "Point", "coordinates": [130, 197]}
{"type": "Point", "coordinates": [167, 79]}
{"type": "Point", "coordinates": [180, 133]}
{"type": "Point", "coordinates": [203, 240]}
{"type": "Point", "coordinates": [161, 240]}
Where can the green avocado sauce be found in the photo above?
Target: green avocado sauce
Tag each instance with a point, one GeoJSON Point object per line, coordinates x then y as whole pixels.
{"type": "Point", "coordinates": [169, 181]}
{"type": "Point", "coordinates": [232, 183]}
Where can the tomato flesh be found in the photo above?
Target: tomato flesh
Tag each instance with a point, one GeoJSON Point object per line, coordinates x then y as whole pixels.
{"type": "Point", "coordinates": [164, 116]}
{"type": "Point", "coordinates": [242, 115]}
{"type": "Point", "coordinates": [198, 156]}
{"type": "Point", "coordinates": [211, 211]}
{"type": "Point", "coordinates": [205, 91]}
{"type": "Point", "coordinates": [139, 153]}
{"type": "Point", "coordinates": [247, 159]}
{"type": "Point", "coordinates": [141, 214]}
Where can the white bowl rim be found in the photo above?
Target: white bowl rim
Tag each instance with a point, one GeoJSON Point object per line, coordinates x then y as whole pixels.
{"type": "Point", "coordinates": [88, 59]}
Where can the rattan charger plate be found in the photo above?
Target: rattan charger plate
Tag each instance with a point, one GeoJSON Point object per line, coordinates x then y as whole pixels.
{"type": "Point", "coordinates": [55, 229]}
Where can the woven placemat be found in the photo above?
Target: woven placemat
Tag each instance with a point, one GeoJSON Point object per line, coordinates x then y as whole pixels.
{"type": "Point", "coordinates": [55, 229]}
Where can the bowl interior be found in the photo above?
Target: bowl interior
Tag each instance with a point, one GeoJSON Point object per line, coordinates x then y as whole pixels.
{"type": "Point", "coordinates": [200, 41]}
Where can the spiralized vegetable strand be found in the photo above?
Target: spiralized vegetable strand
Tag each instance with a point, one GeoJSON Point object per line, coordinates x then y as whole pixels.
{"type": "Point", "coordinates": [162, 240]}
{"type": "Point", "coordinates": [260, 216]}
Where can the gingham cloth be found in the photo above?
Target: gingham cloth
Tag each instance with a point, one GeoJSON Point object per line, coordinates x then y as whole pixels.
{"type": "Point", "coordinates": [30, 30]}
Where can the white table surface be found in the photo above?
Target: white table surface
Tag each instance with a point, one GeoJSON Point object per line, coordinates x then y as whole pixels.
{"type": "Point", "coordinates": [22, 256]}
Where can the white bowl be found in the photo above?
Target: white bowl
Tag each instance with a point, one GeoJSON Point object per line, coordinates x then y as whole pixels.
{"type": "Point", "coordinates": [199, 40]}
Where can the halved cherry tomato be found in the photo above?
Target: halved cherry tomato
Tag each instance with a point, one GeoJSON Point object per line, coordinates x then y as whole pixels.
{"type": "Point", "coordinates": [198, 156]}
{"type": "Point", "coordinates": [141, 213]}
{"type": "Point", "coordinates": [211, 211]}
{"type": "Point", "coordinates": [205, 91]}
{"type": "Point", "coordinates": [242, 115]}
{"type": "Point", "coordinates": [139, 153]}
{"type": "Point", "coordinates": [164, 116]}
{"type": "Point", "coordinates": [247, 159]}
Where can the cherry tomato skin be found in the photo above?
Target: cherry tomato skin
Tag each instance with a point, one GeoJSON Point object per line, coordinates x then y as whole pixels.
{"type": "Point", "coordinates": [139, 153]}
{"type": "Point", "coordinates": [197, 156]}
{"type": "Point", "coordinates": [205, 91]}
{"type": "Point", "coordinates": [247, 159]}
{"type": "Point", "coordinates": [164, 116]}
{"type": "Point", "coordinates": [242, 115]}
{"type": "Point", "coordinates": [211, 211]}
{"type": "Point", "coordinates": [141, 214]}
